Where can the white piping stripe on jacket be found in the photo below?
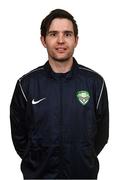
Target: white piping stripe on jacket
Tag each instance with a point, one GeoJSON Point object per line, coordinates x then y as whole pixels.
{"type": "Point", "coordinates": [101, 87]}
{"type": "Point", "coordinates": [100, 94]}
{"type": "Point", "coordinates": [22, 90]}
{"type": "Point", "coordinates": [31, 72]}
{"type": "Point", "coordinates": [24, 76]}
{"type": "Point", "coordinates": [87, 69]}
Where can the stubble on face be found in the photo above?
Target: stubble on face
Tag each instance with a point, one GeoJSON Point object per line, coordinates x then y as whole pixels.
{"type": "Point", "coordinates": [54, 57]}
{"type": "Point", "coordinates": [60, 40]}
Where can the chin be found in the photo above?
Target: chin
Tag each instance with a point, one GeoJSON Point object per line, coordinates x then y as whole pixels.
{"type": "Point", "coordinates": [62, 59]}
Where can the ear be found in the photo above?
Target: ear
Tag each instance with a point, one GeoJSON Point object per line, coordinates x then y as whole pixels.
{"type": "Point", "coordinates": [76, 41]}
{"type": "Point", "coordinates": [42, 38]}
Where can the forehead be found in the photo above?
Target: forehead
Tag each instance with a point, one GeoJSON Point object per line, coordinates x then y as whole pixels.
{"type": "Point", "coordinates": [59, 24]}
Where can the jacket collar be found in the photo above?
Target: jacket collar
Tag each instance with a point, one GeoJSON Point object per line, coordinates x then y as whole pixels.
{"type": "Point", "coordinates": [58, 76]}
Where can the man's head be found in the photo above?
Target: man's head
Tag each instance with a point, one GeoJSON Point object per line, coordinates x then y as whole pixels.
{"type": "Point", "coordinates": [57, 13]}
{"type": "Point", "coordinates": [59, 35]}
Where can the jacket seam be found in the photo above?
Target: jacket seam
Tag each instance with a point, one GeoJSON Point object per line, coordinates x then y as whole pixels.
{"type": "Point", "coordinates": [98, 102]}
{"type": "Point", "coordinates": [40, 68]}
{"type": "Point", "coordinates": [90, 70]}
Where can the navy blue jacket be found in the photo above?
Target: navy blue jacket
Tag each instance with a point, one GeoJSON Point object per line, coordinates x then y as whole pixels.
{"type": "Point", "coordinates": [60, 122]}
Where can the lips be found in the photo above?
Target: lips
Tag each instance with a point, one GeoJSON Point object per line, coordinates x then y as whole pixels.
{"type": "Point", "coordinates": [61, 49]}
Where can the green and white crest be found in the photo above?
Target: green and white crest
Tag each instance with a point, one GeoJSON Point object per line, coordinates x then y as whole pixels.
{"type": "Point", "coordinates": [83, 97]}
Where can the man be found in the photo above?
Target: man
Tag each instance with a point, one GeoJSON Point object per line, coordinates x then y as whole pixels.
{"type": "Point", "coordinates": [59, 111]}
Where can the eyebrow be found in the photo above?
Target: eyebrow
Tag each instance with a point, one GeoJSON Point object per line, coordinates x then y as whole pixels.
{"type": "Point", "coordinates": [49, 32]}
{"type": "Point", "coordinates": [71, 32]}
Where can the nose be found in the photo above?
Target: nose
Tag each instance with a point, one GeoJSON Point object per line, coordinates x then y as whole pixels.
{"type": "Point", "coordinates": [60, 38]}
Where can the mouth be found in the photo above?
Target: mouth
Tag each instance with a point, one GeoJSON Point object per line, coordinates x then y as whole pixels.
{"type": "Point", "coordinates": [60, 49]}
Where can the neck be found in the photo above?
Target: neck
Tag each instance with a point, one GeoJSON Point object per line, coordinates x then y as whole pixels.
{"type": "Point", "coordinates": [61, 67]}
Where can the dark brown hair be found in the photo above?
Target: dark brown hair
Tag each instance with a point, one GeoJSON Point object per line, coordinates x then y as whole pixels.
{"type": "Point", "coordinates": [57, 13]}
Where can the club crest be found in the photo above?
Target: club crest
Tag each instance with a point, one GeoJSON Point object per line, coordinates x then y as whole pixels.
{"type": "Point", "coordinates": [83, 97]}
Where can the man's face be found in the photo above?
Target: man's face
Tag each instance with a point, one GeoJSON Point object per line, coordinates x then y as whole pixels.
{"type": "Point", "coordinates": [60, 40]}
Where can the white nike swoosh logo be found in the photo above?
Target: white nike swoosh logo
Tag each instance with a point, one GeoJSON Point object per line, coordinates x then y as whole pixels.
{"type": "Point", "coordinates": [36, 102]}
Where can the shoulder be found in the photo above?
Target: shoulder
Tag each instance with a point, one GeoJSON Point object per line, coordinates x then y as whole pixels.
{"type": "Point", "coordinates": [89, 73]}
{"type": "Point", "coordinates": [90, 76]}
{"type": "Point", "coordinates": [29, 79]}
{"type": "Point", "coordinates": [33, 74]}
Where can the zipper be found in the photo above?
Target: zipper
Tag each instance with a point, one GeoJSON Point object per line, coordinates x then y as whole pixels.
{"type": "Point", "coordinates": [61, 129]}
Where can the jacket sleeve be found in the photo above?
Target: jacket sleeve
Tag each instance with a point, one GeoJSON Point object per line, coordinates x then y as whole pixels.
{"type": "Point", "coordinates": [102, 114]}
{"type": "Point", "coordinates": [17, 119]}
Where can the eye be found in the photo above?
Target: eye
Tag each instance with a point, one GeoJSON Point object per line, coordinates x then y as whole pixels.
{"type": "Point", "coordinates": [52, 34]}
{"type": "Point", "coordinates": [68, 34]}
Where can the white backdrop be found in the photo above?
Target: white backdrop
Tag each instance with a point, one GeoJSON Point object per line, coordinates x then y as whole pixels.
{"type": "Point", "coordinates": [21, 51]}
